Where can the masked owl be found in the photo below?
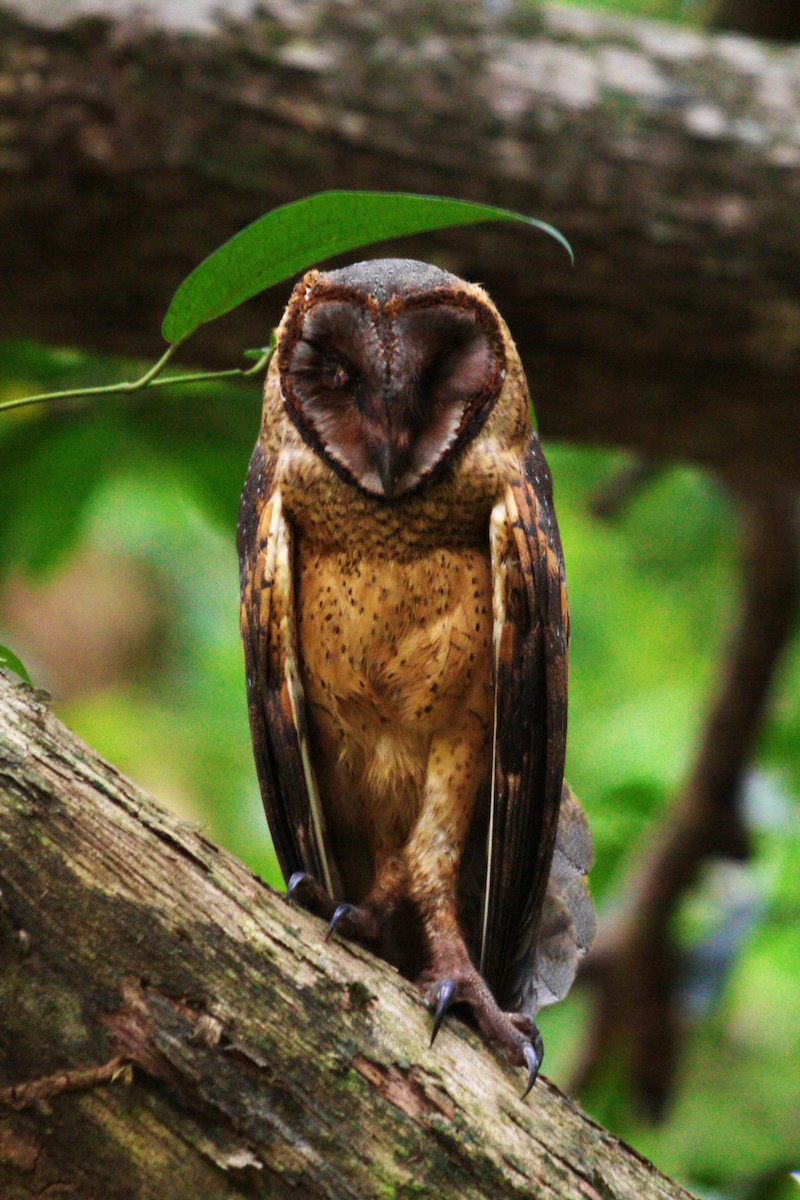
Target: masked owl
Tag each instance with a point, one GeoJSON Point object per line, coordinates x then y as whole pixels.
{"type": "Point", "coordinates": [405, 628]}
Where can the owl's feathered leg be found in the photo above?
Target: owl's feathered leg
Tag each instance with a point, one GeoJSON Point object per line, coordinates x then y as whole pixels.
{"type": "Point", "coordinates": [456, 770]}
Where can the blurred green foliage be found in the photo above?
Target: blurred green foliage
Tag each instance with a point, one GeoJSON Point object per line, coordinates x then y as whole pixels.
{"type": "Point", "coordinates": [155, 480]}
{"type": "Point", "coordinates": [685, 11]}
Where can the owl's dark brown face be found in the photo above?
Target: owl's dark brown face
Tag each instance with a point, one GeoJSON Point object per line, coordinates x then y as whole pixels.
{"type": "Point", "coordinates": [388, 368]}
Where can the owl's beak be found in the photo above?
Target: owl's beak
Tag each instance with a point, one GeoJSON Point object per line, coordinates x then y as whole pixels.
{"type": "Point", "coordinates": [390, 468]}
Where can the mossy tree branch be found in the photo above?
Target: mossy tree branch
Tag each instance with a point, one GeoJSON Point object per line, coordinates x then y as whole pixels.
{"type": "Point", "coordinates": [169, 1022]}
{"type": "Point", "coordinates": [670, 159]}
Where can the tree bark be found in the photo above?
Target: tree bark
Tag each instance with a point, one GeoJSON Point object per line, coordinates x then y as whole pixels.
{"type": "Point", "coordinates": [670, 159]}
{"type": "Point", "coordinates": [778, 20]}
{"type": "Point", "coordinates": [169, 1026]}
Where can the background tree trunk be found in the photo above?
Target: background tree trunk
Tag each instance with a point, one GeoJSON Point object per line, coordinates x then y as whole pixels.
{"type": "Point", "coordinates": [776, 19]}
{"type": "Point", "coordinates": [670, 159]}
{"type": "Point", "coordinates": [170, 1027]}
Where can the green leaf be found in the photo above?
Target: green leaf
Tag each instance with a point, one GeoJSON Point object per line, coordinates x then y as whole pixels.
{"type": "Point", "coordinates": [10, 662]}
{"type": "Point", "coordinates": [291, 238]}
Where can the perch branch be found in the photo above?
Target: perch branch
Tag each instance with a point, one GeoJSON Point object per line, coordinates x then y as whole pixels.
{"type": "Point", "coordinates": [260, 1061]}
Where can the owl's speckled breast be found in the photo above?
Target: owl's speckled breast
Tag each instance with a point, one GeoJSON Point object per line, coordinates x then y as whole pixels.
{"type": "Point", "coordinates": [454, 511]}
{"type": "Point", "coordinates": [396, 648]}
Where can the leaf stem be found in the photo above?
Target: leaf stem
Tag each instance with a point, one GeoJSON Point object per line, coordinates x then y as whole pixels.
{"type": "Point", "coordinates": [231, 373]}
{"type": "Point", "coordinates": [148, 380]}
{"type": "Point", "coordinates": [110, 389]}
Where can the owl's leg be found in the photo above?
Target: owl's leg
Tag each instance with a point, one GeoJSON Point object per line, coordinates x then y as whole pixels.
{"type": "Point", "coordinates": [433, 855]}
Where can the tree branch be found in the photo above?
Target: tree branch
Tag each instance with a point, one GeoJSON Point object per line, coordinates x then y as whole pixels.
{"type": "Point", "coordinates": [632, 966]}
{"type": "Point", "coordinates": [778, 20]}
{"type": "Point", "coordinates": [670, 159]}
{"type": "Point", "coordinates": [165, 1017]}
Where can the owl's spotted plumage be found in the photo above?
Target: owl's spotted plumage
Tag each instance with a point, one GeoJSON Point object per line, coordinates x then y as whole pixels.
{"type": "Point", "coordinates": [405, 630]}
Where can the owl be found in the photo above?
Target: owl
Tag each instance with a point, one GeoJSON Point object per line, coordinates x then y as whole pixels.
{"type": "Point", "coordinates": [405, 627]}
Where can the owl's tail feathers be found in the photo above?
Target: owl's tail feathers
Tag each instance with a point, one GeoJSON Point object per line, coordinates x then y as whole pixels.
{"type": "Point", "coordinates": [568, 920]}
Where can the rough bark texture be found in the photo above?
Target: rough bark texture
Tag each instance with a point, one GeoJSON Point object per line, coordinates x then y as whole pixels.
{"type": "Point", "coordinates": [170, 1027]}
{"type": "Point", "coordinates": [671, 159]}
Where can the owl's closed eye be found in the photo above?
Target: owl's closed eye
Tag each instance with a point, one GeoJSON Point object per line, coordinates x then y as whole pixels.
{"type": "Point", "coordinates": [388, 395]}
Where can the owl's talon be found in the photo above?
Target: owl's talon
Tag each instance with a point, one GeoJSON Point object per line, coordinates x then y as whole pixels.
{"type": "Point", "coordinates": [443, 993]}
{"type": "Point", "coordinates": [296, 881]}
{"type": "Point", "coordinates": [341, 910]}
{"type": "Point", "coordinates": [533, 1054]}
{"type": "Point", "coordinates": [304, 890]}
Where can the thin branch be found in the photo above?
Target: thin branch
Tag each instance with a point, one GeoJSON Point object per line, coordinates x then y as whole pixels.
{"type": "Point", "coordinates": [148, 380]}
{"type": "Point", "coordinates": [112, 389]}
{"type": "Point", "coordinates": [37, 1091]}
{"type": "Point", "coordinates": [633, 965]}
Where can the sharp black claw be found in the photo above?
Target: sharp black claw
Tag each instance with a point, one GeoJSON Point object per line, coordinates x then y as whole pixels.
{"type": "Point", "coordinates": [534, 1053]}
{"type": "Point", "coordinates": [341, 910]}
{"type": "Point", "coordinates": [444, 992]}
{"type": "Point", "coordinates": [295, 881]}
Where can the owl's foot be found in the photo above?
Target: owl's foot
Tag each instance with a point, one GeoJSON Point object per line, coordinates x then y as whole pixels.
{"type": "Point", "coordinates": [359, 923]}
{"type": "Point", "coordinates": [305, 890]}
{"type": "Point", "coordinates": [364, 923]}
{"type": "Point", "coordinates": [515, 1035]}
{"type": "Point", "coordinates": [384, 922]}
{"type": "Point", "coordinates": [356, 922]}
{"type": "Point", "coordinates": [384, 925]}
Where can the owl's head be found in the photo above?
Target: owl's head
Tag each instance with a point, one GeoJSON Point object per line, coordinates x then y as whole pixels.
{"type": "Point", "coordinates": [388, 369]}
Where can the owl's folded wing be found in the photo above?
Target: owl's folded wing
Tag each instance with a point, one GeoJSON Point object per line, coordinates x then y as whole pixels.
{"type": "Point", "coordinates": [531, 636]}
{"type": "Point", "coordinates": [274, 690]}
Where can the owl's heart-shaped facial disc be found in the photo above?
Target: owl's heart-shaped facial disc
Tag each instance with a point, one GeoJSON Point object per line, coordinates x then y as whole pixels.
{"type": "Point", "coordinates": [387, 383]}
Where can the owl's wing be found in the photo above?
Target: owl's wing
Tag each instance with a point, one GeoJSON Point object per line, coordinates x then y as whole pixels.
{"type": "Point", "coordinates": [568, 922]}
{"type": "Point", "coordinates": [531, 630]}
{"type": "Point", "coordinates": [274, 690]}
